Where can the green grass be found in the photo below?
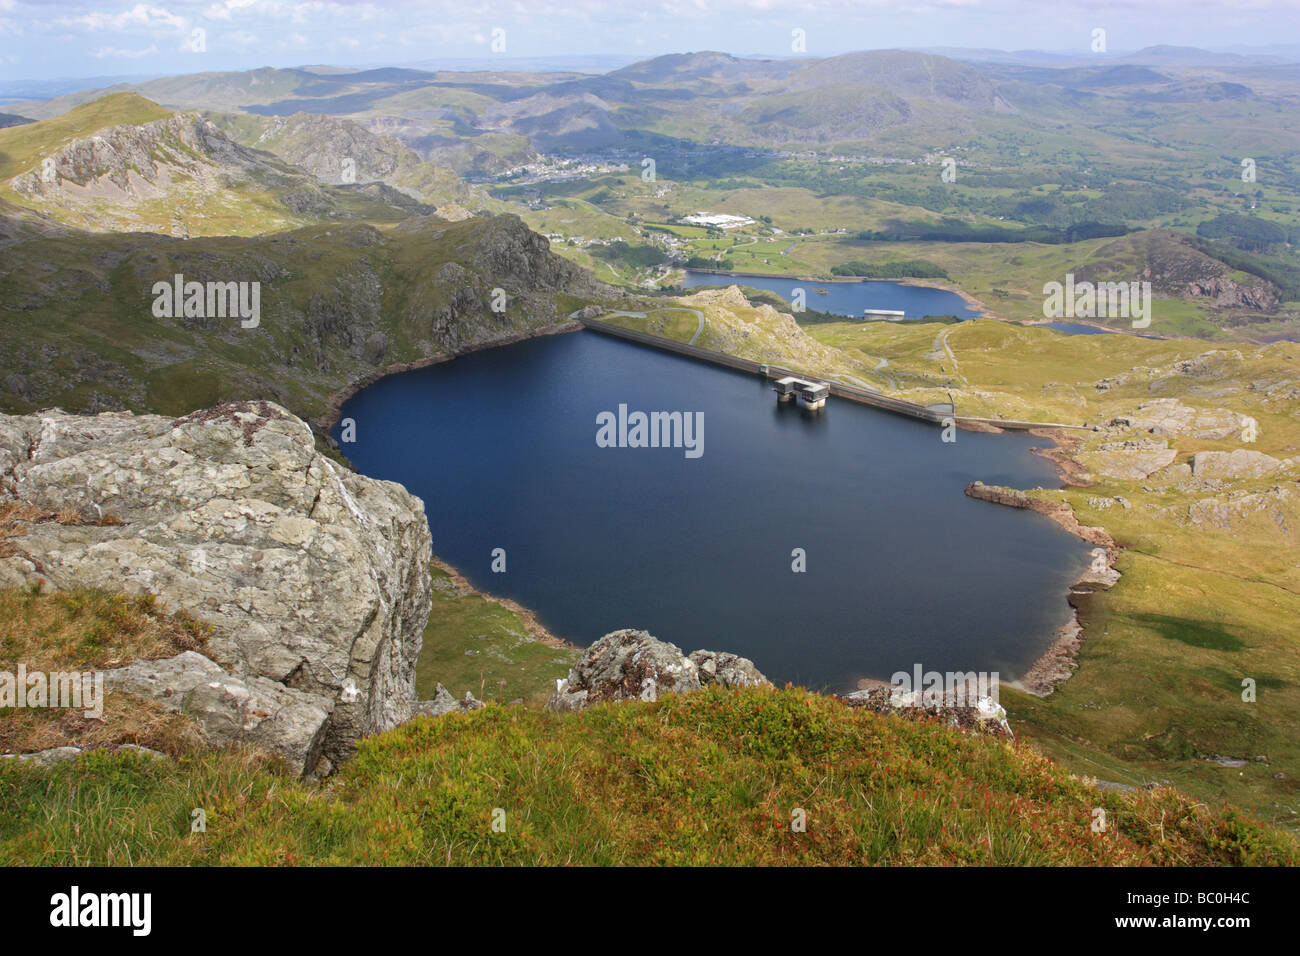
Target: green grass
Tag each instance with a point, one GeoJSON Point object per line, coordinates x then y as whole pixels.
{"type": "Point", "coordinates": [325, 290]}
{"type": "Point", "coordinates": [23, 147]}
{"type": "Point", "coordinates": [87, 629]}
{"type": "Point", "coordinates": [712, 777]}
{"type": "Point", "coordinates": [472, 643]}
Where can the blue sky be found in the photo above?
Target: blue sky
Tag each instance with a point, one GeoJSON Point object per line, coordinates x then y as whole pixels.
{"type": "Point", "coordinates": [73, 38]}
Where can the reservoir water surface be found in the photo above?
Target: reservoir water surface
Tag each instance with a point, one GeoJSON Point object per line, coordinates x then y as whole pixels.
{"type": "Point", "coordinates": [848, 298]}
{"type": "Point", "coordinates": [901, 567]}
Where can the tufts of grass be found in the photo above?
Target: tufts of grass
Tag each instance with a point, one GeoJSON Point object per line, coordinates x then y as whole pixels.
{"type": "Point", "coordinates": [90, 630]}
{"type": "Point", "coordinates": [713, 777]}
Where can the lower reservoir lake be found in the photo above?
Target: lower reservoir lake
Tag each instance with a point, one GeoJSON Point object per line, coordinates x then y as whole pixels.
{"type": "Point", "coordinates": [901, 567]}
{"type": "Point", "coordinates": [848, 298]}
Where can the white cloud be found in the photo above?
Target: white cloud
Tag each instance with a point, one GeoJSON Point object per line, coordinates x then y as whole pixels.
{"type": "Point", "coordinates": [141, 15]}
{"type": "Point", "coordinates": [108, 52]}
{"type": "Point", "coordinates": [224, 9]}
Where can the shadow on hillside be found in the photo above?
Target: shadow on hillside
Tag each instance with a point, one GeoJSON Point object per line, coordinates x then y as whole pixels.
{"type": "Point", "coordinates": [1193, 633]}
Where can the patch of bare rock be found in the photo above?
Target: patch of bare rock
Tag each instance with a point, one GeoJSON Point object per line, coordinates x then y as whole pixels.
{"type": "Point", "coordinates": [632, 665]}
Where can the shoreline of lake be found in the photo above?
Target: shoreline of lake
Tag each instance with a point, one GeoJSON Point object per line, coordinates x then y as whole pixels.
{"type": "Point", "coordinates": [352, 389]}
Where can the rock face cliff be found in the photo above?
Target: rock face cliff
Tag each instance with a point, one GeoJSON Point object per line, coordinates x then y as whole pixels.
{"type": "Point", "coordinates": [135, 162]}
{"type": "Point", "coordinates": [315, 580]}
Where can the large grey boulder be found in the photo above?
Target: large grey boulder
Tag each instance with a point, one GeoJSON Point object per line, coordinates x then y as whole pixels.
{"type": "Point", "coordinates": [311, 576]}
{"type": "Point", "coordinates": [1239, 463]}
{"type": "Point", "coordinates": [254, 711]}
{"type": "Point", "coordinates": [1131, 460]}
{"type": "Point", "coordinates": [632, 665]}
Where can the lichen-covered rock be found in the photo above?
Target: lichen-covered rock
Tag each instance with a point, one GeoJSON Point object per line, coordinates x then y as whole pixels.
{"type": "Point", "coordinates": [632, 665]}
{"type": "Point", "coordinates": [255, 711]}
{"type": "Point", "coordinates": [1170, 418]}
{"type": "Point", "coordinates": [968, 712]}
{"type": "Point", "coordinates": [727, 670]}
{"type": "Point", "coordinates": [1239, 463]}
{"type": "Point", "coordinates": [311, 576]}
{"type": "Point", "coordinates": [1131, 460]}
{"type": "Point", "coordinates": [1276, 508]}
{"type": "Point", "coordinates": [625, 665]}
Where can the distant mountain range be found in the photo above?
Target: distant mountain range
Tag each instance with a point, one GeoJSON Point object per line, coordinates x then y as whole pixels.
{"type": "Point", "coordinates": [481, 123]}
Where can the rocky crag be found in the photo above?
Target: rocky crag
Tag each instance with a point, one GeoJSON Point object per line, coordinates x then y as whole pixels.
{"type": "Point", "coordinates": [315, 580]}
{"type": "Point", "coordinates": [632, 665]}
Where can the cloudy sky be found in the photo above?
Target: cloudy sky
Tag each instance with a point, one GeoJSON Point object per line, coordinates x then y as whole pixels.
{"type": "Point", "coordinates": [45, 39]}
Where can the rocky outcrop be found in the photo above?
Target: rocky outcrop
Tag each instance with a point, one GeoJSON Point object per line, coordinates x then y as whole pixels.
{"type": "Point", "coordinates": [1058, 511]}
{"type": "Point", "coordinates": [1170, 418]}
{"type": "Point", "coordinates": [1239, 463]}
{"type": "Point", "coordinates": [57, 755]}
{"type": "Point", "coordinates": [632, 665]}
{"type": "Point", "coordinates": [1179, 267]}
{"type": "Point", "coordinates": [1276, 506]}
{"type": "Point", "coordinates": [1132, 460]}
{"type": "Point", "coordinates": [315, 580]}
{"type": "Point", "coordinates": [138, 162]}
{"type": "Point", "coordinates": [982, 714]}
{"type": "Point", "coordinates": [260, 713]}
{"type": "Point", "coordinates": [443, 703]}
{"type": "Point", "coordinates": [333, 149]}
{"type": "Point", "coordinates": [727, 670]}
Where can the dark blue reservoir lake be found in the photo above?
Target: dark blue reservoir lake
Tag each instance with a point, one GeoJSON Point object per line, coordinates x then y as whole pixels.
{"type": "Point", "coordinates": [1075, 328]}
{"type": "Point", "coordinates": [902, 567]}
{"type": "Point", "coordinates": [849, 298]}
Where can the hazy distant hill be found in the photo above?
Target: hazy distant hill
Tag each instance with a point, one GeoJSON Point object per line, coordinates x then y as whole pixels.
{"type": "Point", "coordinates": [341, 151]}
{"type": "Point", "coordinates": [486, 122]}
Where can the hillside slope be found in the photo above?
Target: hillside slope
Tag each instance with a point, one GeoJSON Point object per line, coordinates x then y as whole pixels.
{"type": "Point", "coordinates": [340, 151]}
{"type": "Point", "coordinates": [750, 777]}
{"type": "Point", "coordinates": [337, 304]}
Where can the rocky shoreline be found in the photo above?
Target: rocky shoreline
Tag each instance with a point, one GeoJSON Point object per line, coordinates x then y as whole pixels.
{"type": "Point", "coordinates": [1059, 661]}
{"type": "Point", "coordinates": [331, 417]}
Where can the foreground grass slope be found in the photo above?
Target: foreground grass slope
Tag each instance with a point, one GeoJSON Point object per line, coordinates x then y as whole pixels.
{"type": "Point", "coordinates": [709, 777]}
